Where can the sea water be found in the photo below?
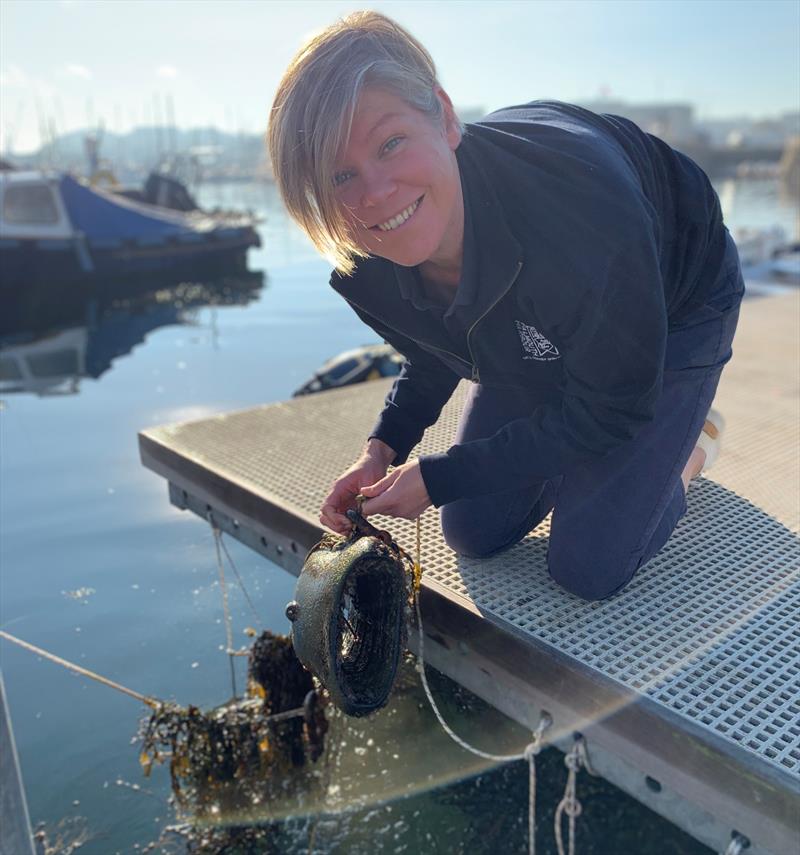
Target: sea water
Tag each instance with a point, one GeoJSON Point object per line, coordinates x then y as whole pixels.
{"type": "Point", "coordinates": [98, 567]}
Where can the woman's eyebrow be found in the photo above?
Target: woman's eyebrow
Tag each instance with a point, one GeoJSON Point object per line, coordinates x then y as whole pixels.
{"type": "Point", "coordinates": [384, 118]}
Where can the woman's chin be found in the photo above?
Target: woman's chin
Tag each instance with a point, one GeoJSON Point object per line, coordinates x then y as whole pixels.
{"type": "Point", "coordinates": [403, 254]}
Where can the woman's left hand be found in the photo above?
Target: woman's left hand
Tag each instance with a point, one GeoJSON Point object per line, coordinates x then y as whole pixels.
{"type": "Point", "coordinates": [401, 493]}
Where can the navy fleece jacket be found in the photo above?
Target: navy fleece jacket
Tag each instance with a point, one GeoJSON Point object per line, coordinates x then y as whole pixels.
{"type": "Point", "coordinates": [585, 238]}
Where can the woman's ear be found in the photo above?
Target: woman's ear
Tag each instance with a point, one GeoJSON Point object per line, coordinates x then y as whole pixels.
{"type": "Point", "coordinates": [452, 125]}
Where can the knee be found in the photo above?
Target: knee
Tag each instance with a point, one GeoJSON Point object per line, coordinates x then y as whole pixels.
{"type": "Point", "coordinates": [466, 536]}
{"type": "Point", "coordinates": [588, 575]}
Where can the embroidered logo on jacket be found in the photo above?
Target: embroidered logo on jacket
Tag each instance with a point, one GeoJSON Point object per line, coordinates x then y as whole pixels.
{"type": "Point", "coordinates": [535, 344]}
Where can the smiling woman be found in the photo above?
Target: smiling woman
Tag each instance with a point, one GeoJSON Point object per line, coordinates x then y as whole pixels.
{"type": "Point", "coordinates": [575, 268]}
{"type": "Point", "coordinates": [358, 113]}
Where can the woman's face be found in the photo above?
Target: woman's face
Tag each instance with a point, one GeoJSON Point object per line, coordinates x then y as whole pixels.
{"type": "Point", "coordinates": [398, 184]}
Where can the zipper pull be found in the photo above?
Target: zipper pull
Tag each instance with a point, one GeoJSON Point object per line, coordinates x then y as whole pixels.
{"type": "Point", "coordinates": [476, 378]}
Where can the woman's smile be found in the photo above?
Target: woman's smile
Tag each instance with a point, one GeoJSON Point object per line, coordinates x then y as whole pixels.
{"type": "Point", "coordinates": [399, 220]}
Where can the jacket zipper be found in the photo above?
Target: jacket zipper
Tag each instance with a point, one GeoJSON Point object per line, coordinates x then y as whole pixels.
{"type": "Point", "coordinates": [476, 377]}
{"type": "Point", "coordinates": [450, 353]}
{"type": "Point", "coordinates": [427, 344]}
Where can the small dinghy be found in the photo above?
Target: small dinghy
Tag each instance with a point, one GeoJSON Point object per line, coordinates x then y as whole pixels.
{"type": "Point", "coordinates": [369, 362]}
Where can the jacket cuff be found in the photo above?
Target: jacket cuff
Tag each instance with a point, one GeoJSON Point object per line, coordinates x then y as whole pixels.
{"type": "Point", "coordinates": [444, 479]}
{"type": "Point", "coordinates": [395, 437]}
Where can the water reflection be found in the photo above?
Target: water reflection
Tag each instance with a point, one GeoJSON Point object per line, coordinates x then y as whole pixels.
{"type": "Point", "coordinates": [47, 345]}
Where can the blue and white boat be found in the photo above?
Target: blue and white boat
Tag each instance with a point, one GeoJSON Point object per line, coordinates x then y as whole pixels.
{"type": "Point", "coordinates": [58, 229]}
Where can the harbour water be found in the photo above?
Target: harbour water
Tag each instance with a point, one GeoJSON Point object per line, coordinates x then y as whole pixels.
{"type": "Point", "coordinates": [96, 565]}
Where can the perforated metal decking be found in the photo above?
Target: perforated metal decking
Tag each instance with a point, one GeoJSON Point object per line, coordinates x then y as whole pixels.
{"type": "Point", "coordinates": [691, 676]}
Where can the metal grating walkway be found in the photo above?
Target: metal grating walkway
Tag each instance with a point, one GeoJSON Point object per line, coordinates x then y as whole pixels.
{"type": "Point", "coordinates": [709, 631]}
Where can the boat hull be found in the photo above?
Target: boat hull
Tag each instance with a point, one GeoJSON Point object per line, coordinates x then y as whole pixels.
{"type": "Point", "coordinates": [26, 263]}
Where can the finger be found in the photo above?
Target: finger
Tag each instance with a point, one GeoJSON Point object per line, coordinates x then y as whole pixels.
{"type": "Point", "coordinates": [380, 486]}
{"type": "Point", "coordinates": [338, 495]}
{"type": "Point", "coordinates": [381, 504]}
{"type": "Point", "coordinates": [334, 520]}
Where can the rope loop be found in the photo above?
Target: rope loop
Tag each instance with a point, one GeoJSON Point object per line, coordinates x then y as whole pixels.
{"type": "Point", "coordinates": [569, 805]}
{"type": "Point", "coordinates": [572, 807]}
{"type": "Point", "coordinates": [536, 744]}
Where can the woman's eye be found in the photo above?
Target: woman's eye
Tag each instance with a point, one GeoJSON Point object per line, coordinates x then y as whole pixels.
{"type": "Point", "coordinates": [393, 143]}
{"type": "Point", "coordinates": [340, 178]}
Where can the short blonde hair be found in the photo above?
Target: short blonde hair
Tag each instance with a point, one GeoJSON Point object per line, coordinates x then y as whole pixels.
{"type": "Point", "coordinates": [312, 115]}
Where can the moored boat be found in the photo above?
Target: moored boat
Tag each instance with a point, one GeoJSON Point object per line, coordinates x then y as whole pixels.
{"type": "Point", "coordinates": [56, 228]}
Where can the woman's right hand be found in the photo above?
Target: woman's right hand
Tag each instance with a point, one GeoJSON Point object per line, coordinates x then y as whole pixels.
{"type": "Point", "coordinates": [370, 467]}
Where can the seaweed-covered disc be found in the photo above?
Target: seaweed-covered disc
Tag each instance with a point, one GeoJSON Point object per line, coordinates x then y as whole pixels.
{"type": "Point", "coordinates": [349, 617]}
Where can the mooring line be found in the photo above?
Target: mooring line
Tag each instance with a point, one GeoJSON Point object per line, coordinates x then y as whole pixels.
{"type": "Point", "coordinates": [225, 610]}
{"type": "Point", "coordinates": [544, 722]}
{"type": "Point", "coordinates": [529, 754]}
{"type": "Point", "coordinates": [84, 672]}
{"type": "Point", "coordinates": [154, 703]}
{"type": "Point", "coordinates": [239, 580]}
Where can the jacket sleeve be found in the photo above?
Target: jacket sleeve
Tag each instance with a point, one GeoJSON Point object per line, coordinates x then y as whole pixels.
{"type": "Point", "coordinates": [414, 402]}
{"type": "Point", "coordinates": [612, 343]}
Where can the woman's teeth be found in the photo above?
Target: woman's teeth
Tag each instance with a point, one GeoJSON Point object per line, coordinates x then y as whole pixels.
{"type": "Point", "coordinates": [400, 218]}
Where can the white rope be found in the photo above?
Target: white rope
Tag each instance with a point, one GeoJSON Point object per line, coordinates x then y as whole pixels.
{"type": "Point", "coordinates": [576, 757]}
{"type": "Point", "coordinates": [224, 588]}
{"type": "Point", "coordinates": [531, 751]}
{"type": "Point", "coordinates": [529, 754]}
{"type": "Point", "coordinates": [239, 580]}
{"type": "Point", "coordinates": [154, 703]}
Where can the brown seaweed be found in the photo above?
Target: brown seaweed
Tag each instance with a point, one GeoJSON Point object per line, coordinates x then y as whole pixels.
{"type": "Point", "coordinates": [225, 759]}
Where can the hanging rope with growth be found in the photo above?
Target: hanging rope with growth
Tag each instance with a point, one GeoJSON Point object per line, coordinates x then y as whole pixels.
{"type": "Point", "coordinates": [153, 703]}
{"type": "Point", "coordinates": [219, 547]}
{"type": "Point", "coordinates": [230, 752]}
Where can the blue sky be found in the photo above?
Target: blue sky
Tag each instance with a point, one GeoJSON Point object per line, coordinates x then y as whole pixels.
{"type": "Point", "coordinates": [70, 60]}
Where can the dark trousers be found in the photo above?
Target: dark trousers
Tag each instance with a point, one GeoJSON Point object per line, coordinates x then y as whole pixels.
{"type": "Point", "coordinates": [612, 515]}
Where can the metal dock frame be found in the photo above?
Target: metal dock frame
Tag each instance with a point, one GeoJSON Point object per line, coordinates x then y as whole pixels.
{"type": "Point", "coordinates": [686, 685]}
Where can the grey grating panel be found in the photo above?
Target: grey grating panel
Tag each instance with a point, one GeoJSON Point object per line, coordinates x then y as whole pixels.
{"type": "Point", "coordinates": [709, 628]}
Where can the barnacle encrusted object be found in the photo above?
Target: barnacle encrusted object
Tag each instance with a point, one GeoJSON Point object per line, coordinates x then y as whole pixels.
{"type": "Point", "coordinates": [349, 616]}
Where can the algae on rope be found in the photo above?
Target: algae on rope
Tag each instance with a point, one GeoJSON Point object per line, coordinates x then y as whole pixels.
{"type": "Point", "coordinates": [226, 760]}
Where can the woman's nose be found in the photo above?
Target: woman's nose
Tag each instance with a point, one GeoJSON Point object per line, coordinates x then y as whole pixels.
{"type": "Point", "coordinates": [376, 187]}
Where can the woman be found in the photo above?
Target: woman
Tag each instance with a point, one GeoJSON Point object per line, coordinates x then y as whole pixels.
{"type": "Point", "coordinates": [575, 268]}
